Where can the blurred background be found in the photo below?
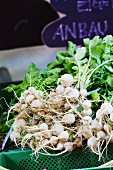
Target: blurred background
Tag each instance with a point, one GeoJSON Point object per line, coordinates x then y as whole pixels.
{"type": "Point", "coordinates": [20, 36]}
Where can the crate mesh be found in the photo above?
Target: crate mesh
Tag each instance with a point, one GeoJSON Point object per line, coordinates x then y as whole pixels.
{"type": "Point", "coordinates": [75, 160]}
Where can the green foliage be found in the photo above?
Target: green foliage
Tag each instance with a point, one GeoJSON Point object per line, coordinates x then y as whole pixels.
{"type": "Point", "coordinates": [95, 96]}
{"type": "Point", "coordinates": [80, 108]}
{"type": "Point", "coordinates": [91, 66]}
{"type": "Point", "coordinates": [4, 128]}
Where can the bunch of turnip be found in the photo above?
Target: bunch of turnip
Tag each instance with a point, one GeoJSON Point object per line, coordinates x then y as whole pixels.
{"type": "Point", "coordinates": [60, 120]}
{"type": "Point", "coordinates": [101, 129]}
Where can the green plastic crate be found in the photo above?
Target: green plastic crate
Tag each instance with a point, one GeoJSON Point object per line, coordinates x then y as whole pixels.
{"type": "Point", "coordinates": [79, 159]}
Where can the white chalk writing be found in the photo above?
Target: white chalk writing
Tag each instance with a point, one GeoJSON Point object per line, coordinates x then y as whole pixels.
{"type": "Point", "coordinates": [59, 32]}
{"type": "Point", "coordinates": [89, 5]}
{"type": "Point", "coordinates": [70, 31]}
{"type": "Point", "coordinates": [80, 30]}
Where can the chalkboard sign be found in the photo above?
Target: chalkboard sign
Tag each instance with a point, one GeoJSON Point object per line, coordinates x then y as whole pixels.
{"type": "Point", "coordinates": [83, 18]}
{"type": "Point", "coordinates": [22, 21]}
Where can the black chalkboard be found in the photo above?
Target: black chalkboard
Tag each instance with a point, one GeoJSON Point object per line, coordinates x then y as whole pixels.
{"type": "Point", "coordinates": [83, 18]}
{"type": "Point", "coordinates": [22, 21]}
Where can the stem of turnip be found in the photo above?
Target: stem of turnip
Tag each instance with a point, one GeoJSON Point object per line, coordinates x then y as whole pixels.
{"type": "Point", "coordinates": [79, 70]}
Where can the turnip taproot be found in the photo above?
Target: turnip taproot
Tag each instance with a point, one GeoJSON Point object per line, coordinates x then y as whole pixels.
{"type": "Point", "coordinates": [66, 80]}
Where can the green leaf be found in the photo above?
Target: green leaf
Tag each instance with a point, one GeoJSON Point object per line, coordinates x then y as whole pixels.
{"type": "Point", "coordinates": [71, 48]}
{"type": "Point", "coordinates": [109, 68]}
{"type": "Point", "coordinates": [108, 39]}
{"type": "Point", "coordinates": [95, 41]}
{"type": "Point", "coordinates": [12, 87]}
{"type": "Point", "coordinates": [95, 96]}
{"type": "Point", "coordinates": [61, 55]}
{"type": "Point", "coordinates": [80, 53]}
{"type": "Point", "coordinates": [80, 108]}
{"type": "Point", "coordinates": [32, 78]}
{"type": "Point", "coordinates": [50, 80]}
{"type": "Point", "coordinates": [75, 68]}
{"type": "Point", "coordinates": [110, 80]}
{"type": "Point", "coordinates": [55, 70]}
{"type": "Point", "coordinates": [68, 65]}
{"type": "Point", "coordinates": [86, 41]}
{"type": "Point", "coordinates": [53, 64]}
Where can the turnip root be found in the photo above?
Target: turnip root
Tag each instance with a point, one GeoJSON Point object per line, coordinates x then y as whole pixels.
{"type": "Point", "coordinates": [74, 95]}
{"type": "Point", "coordinates": [107, 107]}
{"type": "Point", "coordinates": [32, 121]}
{"type": "Point", "coordinates": [22, 115]}
{"type": "Point", "coordinates": [44, 141]}
{"type": "Point", "coordinates": [101, 135]}
{"type": "Point", "coordinates": [60, 89]}
{"type": "Point", "coordinates": [87, 134]}
{"type": "Point", "coordinates": [54, 140]}
{"type": "Point", "coordinates": [66, 80]}
{"type": "Point", "coordinates": [32, 144]}
{"type": "Point", "coordinates": [29, 98]}
{"type": "Point", "coordinates": [17, 107]}
{"type": "Point", "coordinates": [15, 135]}
{"type": "Point", "coordinates": [37, 135]}
{"type": "Point", "coordinates": [47, 134]}
{"type": "Point", "coordinates": [24, 106]}
{"type": "Point", "coordinates": [58, 100]}
{"type": "Point", "coordinates": [111, 116]}
{"type": "Point", "coordinates": [57, 128]}
{"type": "Point", "coordinates": [68, 146]}
{"type": "Point", "coordinates": [86, 120]}
{"type": "Point", "coordinates": [34, 109]}
{"type": "Point", "coordinates": [92, 144]}
{"type": "Point", "coordinates": [107, 128]}
{"type": "Point", "coordinates": [61, 119]}
{"type": "Point", "coordinates": [43, 126]}
{"type": "Point", "coordinates": [60, 146]}
{"type": "Point", "coordinates": [25, 139]}
{"type": "Point", "coordinates": [63, 136]}
{"type": "Point", "coordinates": [52, 94]}
{"type": "Point", "coordinates": [39, 94]}
{"type": "Point", "coordinates": [68, 90]}
{"type": "Point", "coordinates": [86, 112]}
{"type": "Point", "coordinates": [86, 104]}
{"type": "Point", "coordinates": [38, 138]}
{"type": "Point", "coordinates": [71, 94]}
{"type": "Point", "coordinates": [22, 99]}
{"type": "Point", "coordinates": [99, 114]}
{"type": "Point", "coordinates": [37, 104]}
{"type": "Point", "coordinates": [19, 124]}
{"type": "Point", "coordinates": [78, 142]}
{"type": "Point", "coordinates": [83, 92]}
{"type": "Point", "coordinates": [67, 106]}
{"type": "Point", "coordinates": [68, 119]}
{"type": "Point", "coordinates": [27, 136]}
{"type": "Point", "coordinates": [86, 131]}
{"type": "Point", "coordinates": [25, 93]}
{"type": "Point", "coordinates": [32, 129]}
{"type": "Point", "coordinates": [95, 126]}
{"type": "Point", "coordinates": [31, 90]}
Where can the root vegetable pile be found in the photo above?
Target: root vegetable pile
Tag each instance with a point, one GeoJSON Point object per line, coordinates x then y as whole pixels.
{"type": "Point", "coordinates": [61, 119]}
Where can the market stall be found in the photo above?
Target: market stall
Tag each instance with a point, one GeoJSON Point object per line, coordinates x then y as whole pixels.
{"type": "Point", "coordinates": [61, 116]}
